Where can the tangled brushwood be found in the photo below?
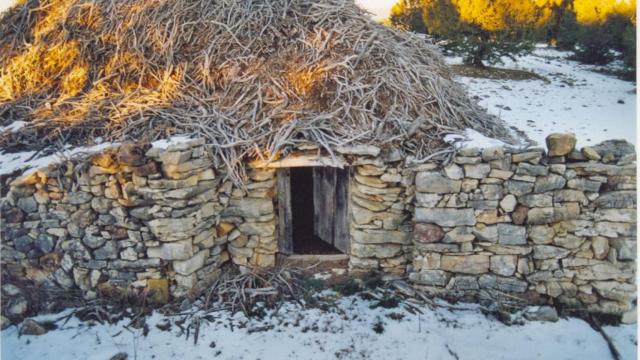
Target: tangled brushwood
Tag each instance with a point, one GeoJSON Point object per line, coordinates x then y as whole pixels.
{"type": "Point", "coordinates": [253, 77]}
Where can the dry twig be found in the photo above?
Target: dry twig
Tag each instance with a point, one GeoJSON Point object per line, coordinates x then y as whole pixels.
{"type": "Point", "coordinates": [253, 77]}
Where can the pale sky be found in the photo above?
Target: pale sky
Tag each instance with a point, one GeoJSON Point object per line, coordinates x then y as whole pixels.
{"type": "Point", "coordinates": [4, 4]}
{"type": "Point", "coordinates": [380, 8]}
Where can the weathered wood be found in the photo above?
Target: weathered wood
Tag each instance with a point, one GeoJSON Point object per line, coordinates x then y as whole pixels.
{"type": "Point", "coordinates": [324, 180]}
{"type": "Point", "coordinates": [341, 217]}
{"type": "Point", "coordinates": [304, 160]}
{"type": "Point", "coordinates": [285, 217]}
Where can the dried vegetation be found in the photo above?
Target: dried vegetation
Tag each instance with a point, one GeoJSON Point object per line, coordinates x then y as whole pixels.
{"type": "Point", "coordinates": [253, 77]}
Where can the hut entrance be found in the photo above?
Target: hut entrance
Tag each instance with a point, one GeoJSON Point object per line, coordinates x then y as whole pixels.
{"type": "Point", "coordinates": [312, 204]}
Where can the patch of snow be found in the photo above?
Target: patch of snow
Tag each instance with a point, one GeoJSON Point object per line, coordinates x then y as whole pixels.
{"type": "Point", "coordinates": [165, 143]}
{"type": "Point", "coordinates": [13, 127]}
{"type": "Point", "coordinates": [594, 106]}
{"type": "Point", "coordinates": [625, 341]}
{"type": "Point", "coordinates": [472, 139]}
{"type": "Point", "coordinates": [28, 160]}
{"type": "Point", "coordinates": [322, 275]}
{"type": "Point", "coordinates": [343, 331]}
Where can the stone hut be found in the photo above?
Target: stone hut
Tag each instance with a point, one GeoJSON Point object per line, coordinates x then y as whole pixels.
{"type": "Point", "coordinates": [558, 226]}
{"type": "Point", "coordinates": [312, 130]}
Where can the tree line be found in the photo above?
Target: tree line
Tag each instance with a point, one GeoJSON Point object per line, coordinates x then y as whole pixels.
{"type": "Point", "coordinates": [484, 31]}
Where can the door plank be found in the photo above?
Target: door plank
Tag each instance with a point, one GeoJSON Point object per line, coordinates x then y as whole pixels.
{"type": "Point", "coordinates": [324, 179]}
{"type": "Point", "coordinates": [285, 216]}
{"type": "Point", "coordinates": [341, 226]}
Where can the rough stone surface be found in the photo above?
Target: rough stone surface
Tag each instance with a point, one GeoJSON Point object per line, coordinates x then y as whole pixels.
{"type": "Point", "coordinates": [432, 182]}
{"type": "Point", "coordinates": [511, 234]}
{"type": "Point", "coordinates": [445, 217]}
{"type": "Point", "coordinates": [477, 171]}
{"type": "Point", "coordinates": [506, 284]}
{"type": "Point", "coordinates": [179, 250]}
{"type": "Point", "coordinates": [454, 172]}
{"type": "Point", "coordinates": [590, 153]}
{"type": "Point", "coordinates": [430, 277]}
{"type": "Point", "coordinates": [28, 204]}
{"type": "Point", "coordinates": [551, 182]}
{"type": "Point", "coordinates": [32, 327]}
{"type": "Point", "coordinates": [189, 266]}
{"type": "Point", "coordinates": [504, 265]}
{"type": "Point", "coordinates": [467, 264]}
{"type": "Point", "coordinates": [541, 313]}
{"type": "Point", "coordinates": [508, 203]}
{"type": "Point", "coordinates": [560, 144]}
{"type": "Point", "coordinates": [427, 233]}
{"type": "Point", "coordinates": [563, 227]}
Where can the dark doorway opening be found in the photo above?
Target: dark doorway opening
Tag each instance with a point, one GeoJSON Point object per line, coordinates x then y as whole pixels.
{"type": "Point", "coordinates": [304, 214]}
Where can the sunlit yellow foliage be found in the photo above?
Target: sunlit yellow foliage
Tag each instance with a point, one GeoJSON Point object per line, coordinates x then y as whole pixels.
{"type": "Point", "coordinates": [52, 17]}
{"type": "Point", "coordinates": [303, 80]}
{"type": "Point", "coordinates": [37, 68]}
{"type": "Point", "coordinates": [73, 83]}
{"type": "Point", "coordinates": [495, 15]}
{"type": "Point", "coordinates": [596, 11]}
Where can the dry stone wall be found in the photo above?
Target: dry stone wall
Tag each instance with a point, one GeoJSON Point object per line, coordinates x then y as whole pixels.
{"type": "Point", "coordinates": [556, 226]}
{"type": "Point", "coordinates": [136, 217]}
{"type": "Point", "coordinates": [560, 228]}
{"type": "Point", "coordinates": [381, 207]}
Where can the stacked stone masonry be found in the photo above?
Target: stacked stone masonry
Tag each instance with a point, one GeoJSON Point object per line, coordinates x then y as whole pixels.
{"type": "Point", "coordinates": [561, 227]}
{"type": "Point", "coordinates": [125, 217]}
{"type": "Point", "coordinates": [557, 225]}
{"type": "Point", "coordinates": [380, 227]}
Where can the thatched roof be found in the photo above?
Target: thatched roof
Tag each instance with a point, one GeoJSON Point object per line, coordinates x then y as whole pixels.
{"type": "Point", "coordinates": [251, 76]}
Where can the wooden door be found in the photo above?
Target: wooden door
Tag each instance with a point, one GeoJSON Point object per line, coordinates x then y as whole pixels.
{"type": "Point", "coordinates": [324, 180]}
{"type": "Point", "coordinates": [285, 217]}
{"type": "Point", "coordinates": [341, 226]}
{"type": "Point", "coordinates": [330, 194]}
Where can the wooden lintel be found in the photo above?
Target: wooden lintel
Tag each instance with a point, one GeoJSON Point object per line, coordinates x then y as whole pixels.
{"type": "Point", "coordinates": [301, 161]}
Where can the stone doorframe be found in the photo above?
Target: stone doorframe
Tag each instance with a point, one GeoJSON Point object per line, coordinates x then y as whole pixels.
{"type": "Point", "coordinates": [341, 236]}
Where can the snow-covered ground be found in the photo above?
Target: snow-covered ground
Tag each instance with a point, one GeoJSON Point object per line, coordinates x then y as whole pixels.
{"type": "Point", "coordinates": [594, 106]}
{"type": "Point", "coordinates": [345, 331]}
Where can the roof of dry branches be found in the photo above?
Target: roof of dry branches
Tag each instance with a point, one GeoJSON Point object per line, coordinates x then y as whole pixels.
{"type": "Point", "coordinates": [251, 76]}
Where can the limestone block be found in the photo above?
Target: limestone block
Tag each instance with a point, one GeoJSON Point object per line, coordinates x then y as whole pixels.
{"type": "Point", "coordinates": [549, 252]}
{"type": "Point", "coordinates": [548, 183]}
{"type": "Point", "coordinates": [427, 233]}
{"type": "Point", "coordinates": [430, 277]}
{"type": "Point", "coordinates": [189, 266]}
{"type": "Point", "coordinates": [511, 234]}
{"type": "Point", "coordinates": [375, 250]}
{"type": "Point", "coordinates": [179, 250]}
{"type": "Point", "coordinates": [504, 265]}
{"type": "Point", "coordinates": [506, 284]}
{"type": "Point", "coordinates": [380, 237]}
{"type": "Point", "coordinates": [560, 144]}
{"type": "Point", "coordinates": [467, 264]}
{"type": "Point", "coordinates": [434, 182]}
{"type": "Point", "coordinates": [445, 217]}
{"type": "Point", "coordinates": [477, 171]}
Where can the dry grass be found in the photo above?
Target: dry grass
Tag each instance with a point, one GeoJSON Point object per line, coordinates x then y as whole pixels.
{"type": "Point", "coordinates": [252, 77]}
